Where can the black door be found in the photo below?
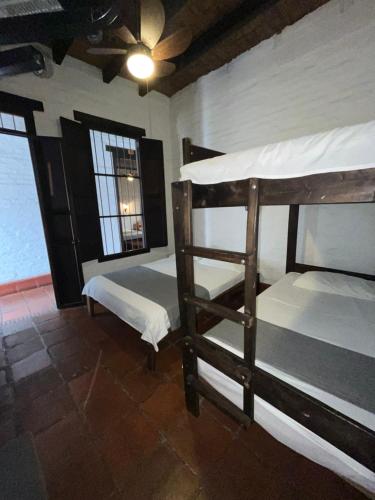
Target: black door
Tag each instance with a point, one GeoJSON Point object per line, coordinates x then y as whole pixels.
{"type": "Point", "coordinates": [58, 222]}
{"type": "Point", "coordinates": [79, 172]}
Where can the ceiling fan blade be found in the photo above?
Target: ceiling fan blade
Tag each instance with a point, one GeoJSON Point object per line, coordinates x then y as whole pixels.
{"type": "Point", "coordinates": [152, 22]}
{"type": "Point", "coordinates": [125, 34]}
{"type": "Point", "coordinates": [173, 45]}
{"type": "Point", "coordinates": [106, 51]}
{"type": "Point", "coordinates": [163, 68]}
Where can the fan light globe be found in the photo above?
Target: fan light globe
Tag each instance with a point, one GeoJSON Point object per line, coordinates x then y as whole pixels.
{"type": "Point", "coordinates": [140, 65]}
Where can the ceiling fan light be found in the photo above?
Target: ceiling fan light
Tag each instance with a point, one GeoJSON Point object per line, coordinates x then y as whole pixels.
{"type": "Point", "coordinates": [140, 65]}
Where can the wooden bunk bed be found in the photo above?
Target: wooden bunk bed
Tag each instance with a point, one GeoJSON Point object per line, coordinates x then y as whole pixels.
{"type": "Point", "coordinates": [354, 439]}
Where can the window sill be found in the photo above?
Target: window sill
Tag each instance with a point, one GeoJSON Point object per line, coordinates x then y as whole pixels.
{"type": "Point", "coordinates": [105, 258]}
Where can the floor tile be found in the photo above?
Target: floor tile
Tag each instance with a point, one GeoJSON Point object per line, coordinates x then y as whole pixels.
{"type": "Point", "coordinates": [200, 442]}
{"type": "Point", "coordinates": [106, 403]}
{"type": "Point", "coordinates": [119, 363]}
{"type": "Point", "coordinates": [67, 348]}
{"type": "Point", "coordinates": [77, 364]}
{"type": "Point", "coordinates": [11, 302]}
{"type": "Point", "coordinates": [71, 465]}
{"type": "Point", "coordinates": [15, 315]}
{"type": "Point", "coordinates": [48, 316]}
{"type": "Point", "coordinates": [267, 449]}
{"type": "Point", "coordinates": [3, 378]}
{"type": "Point", "coordinates": [54, 337]}
{"type": "Point", "coordinates": [46, 410]}
{"type": "Point", "coordinates": [6, 398]}
{"type": "Point", "coordinates": [32, 364]}
{"type": "Point", "coordinates": [37, 384]}
{"type": "Point", "coordinates": [166, 405]}
{"type": "Point", "coordinates": [240, 476]}
{"type": "Point", "coordinates": [20, 337]}
{"type": "Point", "coordinates": [141, 383]}
{"type": "Point", "coordinates": [22, 351]}
{"type": "Point", "coordinates": [48, 325]}
{"type": "Point", "coordinates": [7, 431]}
{"type": "Point", "coordinates": [169, 361]}
{"type": "Point", "coordinates": [3, 360]}
{"type": "Point", "coordinates": [126, 444]}
{"type": "Point", "coordinates": [224, 419]}
{"type": "Point", "coordinates": [12, 327]}
{"type": "Point", "coordinates": [167, 478]}
{"type": "Point", "coordinates": [320, 482]}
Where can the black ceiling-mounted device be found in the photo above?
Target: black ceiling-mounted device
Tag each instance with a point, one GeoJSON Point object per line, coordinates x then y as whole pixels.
{"type": "Point", "coordinates": [24, 59]}
{"type": "Point", "coordinates": [24, 21]}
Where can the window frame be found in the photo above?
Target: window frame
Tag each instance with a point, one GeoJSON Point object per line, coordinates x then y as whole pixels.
{"type": "Point", "coordinates": [94, 123]}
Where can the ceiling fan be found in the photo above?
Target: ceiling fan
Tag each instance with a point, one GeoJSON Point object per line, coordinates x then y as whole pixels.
{"type": "Point", "coordinates": [144, 54]}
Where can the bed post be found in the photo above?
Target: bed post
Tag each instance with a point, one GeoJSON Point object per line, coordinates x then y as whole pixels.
{"type": "Point", "coordinates": [151, 358]}
{"type": "Point", "coordinates": [250, 291]}
{"type": "Point", "coordinates": [292, 238]}
{"type": "Point", "coordinates": [183, 233]}
{"type": "Point", "coordinates": [90, 306]}
{"type": "Point", "coordinates": [186, 150]}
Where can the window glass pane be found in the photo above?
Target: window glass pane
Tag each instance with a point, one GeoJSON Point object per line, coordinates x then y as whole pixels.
{"type": "Point", "coordinates": [12, 122]}
{"type": "Point", "coordinates": [20, 123]}
{"type": "Point", "coordinates": [119, 192]}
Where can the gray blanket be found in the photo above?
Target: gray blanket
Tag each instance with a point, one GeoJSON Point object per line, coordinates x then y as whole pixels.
{"type": "Point", "coordinates": [341, 372]}
{"type": "Point", "coordinates": [158, 287]}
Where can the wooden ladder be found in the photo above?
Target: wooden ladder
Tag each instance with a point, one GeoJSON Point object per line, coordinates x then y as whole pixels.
{"type": "Point", "coordinates": [239, 369]}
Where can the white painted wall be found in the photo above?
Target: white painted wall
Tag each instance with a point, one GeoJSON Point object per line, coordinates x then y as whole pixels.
{"type": "Point", "coordinates": [78, 86]}
{"type": "Point", "coordinates": [23, 252]}
{"type": "Point", "coordinates": [316, 75]}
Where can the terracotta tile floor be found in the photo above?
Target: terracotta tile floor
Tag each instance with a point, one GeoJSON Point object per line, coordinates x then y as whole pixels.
{"type": "Point", "coordinates": [128, 436]}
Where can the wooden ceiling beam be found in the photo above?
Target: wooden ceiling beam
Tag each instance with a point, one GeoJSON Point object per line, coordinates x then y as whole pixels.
{"type": "Point", "coordinates": [240, 30]}
{"type": "Point", "coordinates": [240, 16]}
{"type": "Point", "coordinates": [113, 68]}
{"type": "Point", "coordinates": [60, 49]}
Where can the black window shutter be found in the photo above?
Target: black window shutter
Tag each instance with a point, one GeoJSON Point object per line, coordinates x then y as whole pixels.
{"type": "Point", "coordinates": [153, 183]}
{"type": "Point", "coordinates": [76, 151]}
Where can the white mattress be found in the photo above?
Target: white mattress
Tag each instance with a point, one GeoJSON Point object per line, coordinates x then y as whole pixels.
{"type": "Point", "coordinates": [317, 315]}
{"type": "Point", "coordinates": [341, 149]}
{"type": "Point", "coordinates": [146, 316]}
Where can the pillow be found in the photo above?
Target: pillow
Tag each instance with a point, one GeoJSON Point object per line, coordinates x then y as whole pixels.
{"type": "Point", "coordinates": [337, 284]}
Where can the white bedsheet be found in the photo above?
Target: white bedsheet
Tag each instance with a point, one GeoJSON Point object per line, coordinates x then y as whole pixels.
{"type": "Point", "coordinates": [341, 149]}
{"type": "Point", "coordinates": [149, 318]}
{"type": "Point", "coordinates": [283, 305]}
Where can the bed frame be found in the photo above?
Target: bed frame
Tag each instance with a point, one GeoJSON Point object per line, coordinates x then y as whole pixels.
{"type": "Point", "coordinates": [233, 297]}
{"type": "Point", "coordinates": [352, 438]}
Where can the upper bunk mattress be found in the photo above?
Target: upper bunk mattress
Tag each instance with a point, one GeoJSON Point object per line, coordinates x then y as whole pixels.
{"type": "Point", "coordinates": [339, 150]}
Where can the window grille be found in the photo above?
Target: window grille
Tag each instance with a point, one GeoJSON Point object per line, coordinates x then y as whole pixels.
{"type": "Point", "coordinates": [119, 192]}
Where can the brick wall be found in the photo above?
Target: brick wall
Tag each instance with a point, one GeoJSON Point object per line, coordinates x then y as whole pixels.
{"type": "Point", "coordinates": [22, 246]}
{"type": "Point", "coordinates": [316, 75]}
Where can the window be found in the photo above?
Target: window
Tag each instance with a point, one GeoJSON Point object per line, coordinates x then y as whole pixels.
{"type": "Point", "coordinates": [12, 122]}
{"type": "Point", "coordinates": [119, 192]}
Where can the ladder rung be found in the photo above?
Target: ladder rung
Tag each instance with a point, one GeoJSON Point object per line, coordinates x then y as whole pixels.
{"type": "Point", "coordinates": [219, 310]}
{"type": "Point", "coordinates": [221, 402]}
{"type": "Point", "coordinates": [232, 365]}
{"type": "Point", "coordinates": [215, 254]}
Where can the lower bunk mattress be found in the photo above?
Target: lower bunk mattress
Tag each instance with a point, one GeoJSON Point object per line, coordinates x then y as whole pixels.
{"type": "Point", "coordinates": [305, 338]}
{"type": "Point", "coordinates": [146, 296]}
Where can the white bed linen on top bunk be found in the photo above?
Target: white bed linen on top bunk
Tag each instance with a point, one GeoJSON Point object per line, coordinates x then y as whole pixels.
{"type": "Point", "coordinates": [341, 149]}
{"type": "Point", "coordinates": [285, 306]}
{"type": "Point", "coordinates": [146, 316]}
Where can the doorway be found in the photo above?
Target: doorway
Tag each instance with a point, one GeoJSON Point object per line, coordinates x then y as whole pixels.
{"type": "Point", "coordinates": [23, 251]}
